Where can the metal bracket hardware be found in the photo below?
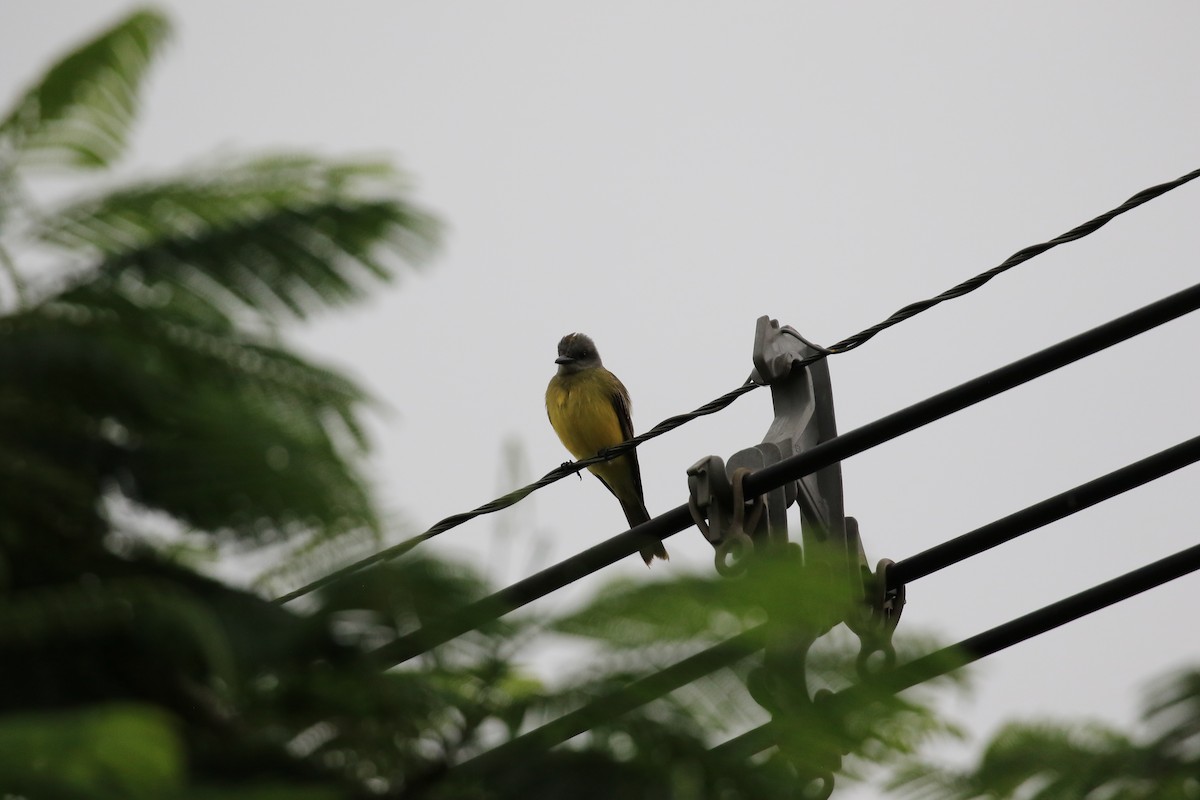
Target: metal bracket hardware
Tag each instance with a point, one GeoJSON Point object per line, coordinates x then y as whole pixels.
{"type": "Point", "coordinates": [727, 519]}
{"type": "Point", "coordinates": [874, 620]}
{"type": "Point", "coordinates": [802, 398]}
{"type": "Point", "coordinates": [831, 561]}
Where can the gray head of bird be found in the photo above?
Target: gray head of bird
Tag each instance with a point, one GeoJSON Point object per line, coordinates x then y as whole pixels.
{"type": "Point", "coordinates": [576, 352]}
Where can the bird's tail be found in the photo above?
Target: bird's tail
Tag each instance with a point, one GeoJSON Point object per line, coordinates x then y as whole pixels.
{"type": "Point", "coordinates": [636, 514]}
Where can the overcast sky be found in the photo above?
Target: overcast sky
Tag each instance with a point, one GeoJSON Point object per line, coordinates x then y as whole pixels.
{"type": "Point", "coordinates": [658, 175]}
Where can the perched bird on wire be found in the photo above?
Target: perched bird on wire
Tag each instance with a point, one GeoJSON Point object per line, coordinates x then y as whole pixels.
{"type": "Point", "coordinates": [589, 409]}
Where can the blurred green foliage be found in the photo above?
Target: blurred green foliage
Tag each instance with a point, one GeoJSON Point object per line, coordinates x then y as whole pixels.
{"type": "Point", "coordinates": [1056, 760]}
{"type": "Point", "coordinates": [118, 750]}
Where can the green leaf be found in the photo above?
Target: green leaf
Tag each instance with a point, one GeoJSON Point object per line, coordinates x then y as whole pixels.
{"type": "Point", "coordinates": [276, 236]}
{"type": "Point", "coordinates": [80, 113]}
{"type": "Point", "coordinates": [117, 751]}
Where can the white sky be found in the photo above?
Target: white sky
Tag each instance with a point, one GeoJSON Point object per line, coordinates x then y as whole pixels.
{"type": "Point", "coordinates": [658, 175]}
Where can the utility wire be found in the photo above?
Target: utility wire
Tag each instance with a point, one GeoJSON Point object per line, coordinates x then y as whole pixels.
{"type": "Point", "coordinates": [1041, 514]}
{"type": "Point", "coordinates": [991, 641]}
{"type": "Point", "coordinates": [1019, 257]}
{"type": "Point", "coordinates": [671, 423]}
{"type": "Point", "coordinates": [730, 651]}
{"type": "Point", "coordinates": [790, 469]}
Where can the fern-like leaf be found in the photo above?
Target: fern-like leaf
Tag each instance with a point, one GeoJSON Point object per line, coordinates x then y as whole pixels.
{"type": "Point", "coordinates": [80, 113]}
{"type": "Point", "coordinates": [273, 236]}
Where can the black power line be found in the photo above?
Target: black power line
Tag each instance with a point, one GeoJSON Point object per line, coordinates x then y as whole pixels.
{"type": "Point", "coordinates": [671, 423]}
{"type": "Point", "coordinates": [726, 653]}
{"type": "Point", "coordinates": [998, 638]}
{"type": "Point", "coordinates": [1055, 508]}
{"type": "Point", "coordinates": [790, 469]}
{"type": "Point", "coordinates": [524, 591]}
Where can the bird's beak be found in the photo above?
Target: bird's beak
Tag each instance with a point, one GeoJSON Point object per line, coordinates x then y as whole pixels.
{"type": "Point", "coordinates": [564, 360]}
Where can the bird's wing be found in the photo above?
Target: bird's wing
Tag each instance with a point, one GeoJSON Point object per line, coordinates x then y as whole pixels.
{"type": "Point", "coordinates": [624, 409]}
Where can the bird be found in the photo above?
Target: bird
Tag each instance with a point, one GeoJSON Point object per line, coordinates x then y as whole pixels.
{"type": "Point", "coordinates": [590, 410]}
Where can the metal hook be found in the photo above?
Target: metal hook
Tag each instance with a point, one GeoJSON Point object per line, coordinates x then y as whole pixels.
{"type": "Point", "coordinates": [876, 626]}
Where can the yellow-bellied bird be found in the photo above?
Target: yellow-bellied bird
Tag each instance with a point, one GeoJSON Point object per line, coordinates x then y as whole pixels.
{"type": "Point", "coordinates": [590, 410]}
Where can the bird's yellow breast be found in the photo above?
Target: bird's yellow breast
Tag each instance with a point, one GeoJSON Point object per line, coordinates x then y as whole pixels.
{"type": "Point", "coordinates": [582, 413]}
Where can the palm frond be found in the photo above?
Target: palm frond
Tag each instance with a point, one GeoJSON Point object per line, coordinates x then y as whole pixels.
{"type": "Point", "coordinates": [1172, 712]}
{"type": "Point", "coordinates": [80, 113]}
{"type": "Point", "coordinates": [275, 236]}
